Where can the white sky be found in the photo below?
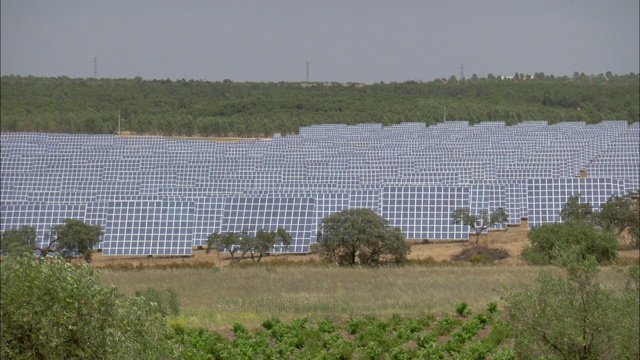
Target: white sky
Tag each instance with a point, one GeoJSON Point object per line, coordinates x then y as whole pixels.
{"type": "Point", "coordinates": [343, 40]}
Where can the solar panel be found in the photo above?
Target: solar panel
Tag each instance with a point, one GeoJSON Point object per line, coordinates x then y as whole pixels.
{"type": "Point", "coordinates": [334, 167]}
{"type": "Point", "coordinates": [425, 212]}
{"type": "Point", "coordinates": [294, 214]}
{"type": "Point", "coordinates": [156, 227]}
{"type": "Point", "coordinates": [546, 197]}
{"type": "Point", "coordinates": [41, 216]}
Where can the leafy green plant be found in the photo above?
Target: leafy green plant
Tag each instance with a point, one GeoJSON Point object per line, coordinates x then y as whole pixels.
{"type": "Point", "coordinates": [462, 309]}
{"type": "Point", "coordinates": [549, 242]}
{"type": "Point", "coordinates": [53, 310]}
{"type": "Point", "coordinates": [492, 307]}
{"type": "Point", "coordinates": [573, 316]}
{"type": "Point", "coordinates": [325, 325]}
{"type": "Point", "coordinates": [445, 325]}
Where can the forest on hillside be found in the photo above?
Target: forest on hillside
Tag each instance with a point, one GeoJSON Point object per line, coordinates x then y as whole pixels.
{"type": "Point", "coordinates": [227, 108]}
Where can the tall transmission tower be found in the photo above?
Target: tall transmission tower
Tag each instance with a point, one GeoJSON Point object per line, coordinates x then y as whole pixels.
{"type": "Point", "coordinates": [95, 68]}
{"type": "Point", "coordinates": [307, 71]}
{"type": "Point", "coordinates": [461, 71]}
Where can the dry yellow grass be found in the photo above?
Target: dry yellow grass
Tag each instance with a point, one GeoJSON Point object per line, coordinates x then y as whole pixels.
{"type": "Point", "coordinates": [217, 298]}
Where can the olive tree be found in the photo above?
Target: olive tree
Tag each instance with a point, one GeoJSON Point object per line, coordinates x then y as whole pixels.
{"type": "Point", "coordinates": [573, 209]}
{"type": "Point", "coordinates": [51, 309]}
{"type": "Point", "coordinates": [480, 222]}
{"type": "Point", "coordinates": [550, 241]}
{"type": "Point", "coordinates": [572, 316]}
{"type": "Point", "coordinates": [267, 239]}
{"type": "Point", "coordinates": [75, 236]}
{"type": "Point", "coordinates": [18, 241]}
{"type": "Point", "coordinates": [224, 242]}
{"type": "Point", "coordinates": [360, 236]}
{"type": "Point", "coordinates": [618, 214]}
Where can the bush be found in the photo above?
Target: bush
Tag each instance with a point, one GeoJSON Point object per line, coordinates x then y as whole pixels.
{"type": "Point", "coordinates": [573, 316]}
{"type": "Point", "coordinates": [550, 241]}
{"type": "Point", "coordinates": [480, 254]}
{"type": "Point", "coordinates": [360, 237]}
{"type": "Point", "coordinates": [53, 310]}
{"type": "Point", "coordinates": [462, 309]}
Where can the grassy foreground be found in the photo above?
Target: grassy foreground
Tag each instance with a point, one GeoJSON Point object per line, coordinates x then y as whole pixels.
{"type": "Point", "coordinates": [216, 298]}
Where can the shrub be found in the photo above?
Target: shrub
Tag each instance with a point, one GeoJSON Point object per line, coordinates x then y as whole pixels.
{"type": "Point", "coordinates": [573, 316]}
{"type": "Point", "coordinates": [492, 307]}
{"type": "Point", "coordinates": [462, 309]}
{"type": "Point", "coordinates": [53, 310]}
{"type": "Point", "coordinates": [480, 254]}
{"type": "Point", "coordinates": [360, 237]}
{"type": "Point", "coordinates": [550, 241]}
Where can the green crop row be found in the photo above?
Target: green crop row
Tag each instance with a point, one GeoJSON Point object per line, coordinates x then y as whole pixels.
{"type": "Point", "coordinates": [477, 336]}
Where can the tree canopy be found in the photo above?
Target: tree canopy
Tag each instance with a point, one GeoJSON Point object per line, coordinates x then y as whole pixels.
{"type": "Point", "coordinates": [573, 209]}
{"type": "Point", "coordinates": [360, 236]}
{"type": "Point", "coordinates": [19, 241]}
{"type": "Point", "coordinates": [618, 214]}
{"type": "Point", "coordinates": [552, 240]}
{"type": "Point", "coordinates": [227, 108]}
{"type": "Point", "coordinates": [244, 243]}
{"type": "Point", "coordinates": [52, 309]}
{"type": "Point", "coordinates": [572, 316]}
{"type": "Point", "coordinates": [480, 222]}
{"type": "Point", "coordinates": [76, 236]}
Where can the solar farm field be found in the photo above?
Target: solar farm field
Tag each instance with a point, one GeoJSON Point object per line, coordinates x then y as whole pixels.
{"type": "Point", "coordinates": [163, 197]}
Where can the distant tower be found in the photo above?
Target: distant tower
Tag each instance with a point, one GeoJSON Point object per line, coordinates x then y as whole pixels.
{"type": "Point", "coordinates": [461, 71]}
{"type": "Point", "coordinates": [307, 71]}
{"type": "Point", "coordinates": [95, 68]}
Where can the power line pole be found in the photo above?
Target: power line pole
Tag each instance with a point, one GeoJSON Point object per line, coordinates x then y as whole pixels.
{"type": "Point", "coordinates": [307, 71]}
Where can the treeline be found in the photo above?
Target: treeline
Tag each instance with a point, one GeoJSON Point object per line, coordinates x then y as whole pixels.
{"type": "Point", "coordinates": [204, 108]}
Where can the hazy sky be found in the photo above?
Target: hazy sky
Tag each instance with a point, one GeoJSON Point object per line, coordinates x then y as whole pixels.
{"type": "Point", "coordinates": [343, 40]}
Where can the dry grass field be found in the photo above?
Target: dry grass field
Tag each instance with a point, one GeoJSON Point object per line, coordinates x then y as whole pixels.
{"type": "Point", "coordinates": [217, 296]}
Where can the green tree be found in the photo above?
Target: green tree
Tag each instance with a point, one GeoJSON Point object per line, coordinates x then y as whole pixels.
{"type": "Point", "coordinates": [224, 242]}
{"type": "Point", "coordinates": [480, 222]}
{"type": "Point", "coordinates": [573, 209]}
{"type": "Point", "coordinates": [18, 241]}
{"type": "Point", "coordinates": [618, 214]}
{"type": "Point", "coordinates": [265, 240]}
{"type": "Point", "coordinates": [574, 316]}
{"type": "Point", "coordinates": [360, 236]}
{"type": "Point", "coordinates": [53, 310]}
{"type": "Point", "coordinates": [550, 241]}
{"type": "Point", "coordinates": [76, 236]}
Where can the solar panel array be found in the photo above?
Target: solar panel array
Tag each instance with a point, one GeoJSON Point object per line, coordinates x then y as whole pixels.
{"type": "Point", "coordinates": [163, 196]}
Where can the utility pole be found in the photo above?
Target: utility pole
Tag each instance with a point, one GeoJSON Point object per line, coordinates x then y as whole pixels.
{"type": "Point", "coordinates": [95, 68]}
{"type": "Point", "coordinates": [307, 71]}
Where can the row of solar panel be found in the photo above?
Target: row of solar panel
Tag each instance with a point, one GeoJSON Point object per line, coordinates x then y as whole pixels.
{"type": "Point", "coordinates": [420, 212]}
{"type": "Point", "coordinates": [380, 160]}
